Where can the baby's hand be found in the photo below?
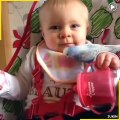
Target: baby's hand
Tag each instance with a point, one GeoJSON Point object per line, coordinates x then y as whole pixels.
{"type": "Point", "coordinates": [107, 59]}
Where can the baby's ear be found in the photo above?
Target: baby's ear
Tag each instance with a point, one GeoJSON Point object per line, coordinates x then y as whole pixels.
{"type": "Point", "coordinates": [42, 34]}
{"type": "Point", "coordinates": [88, 28]}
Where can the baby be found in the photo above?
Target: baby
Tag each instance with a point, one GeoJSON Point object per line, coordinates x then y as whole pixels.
{"type": "Point", "coordinates": [64, 23]}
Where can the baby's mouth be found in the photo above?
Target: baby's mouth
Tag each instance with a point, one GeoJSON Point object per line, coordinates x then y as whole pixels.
{"type": "Point", "coordinates": [66, 44]}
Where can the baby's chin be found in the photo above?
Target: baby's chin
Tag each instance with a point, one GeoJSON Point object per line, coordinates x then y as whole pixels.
{"type": "Point", "coordinates": [61, 48]}
{"type": "Point", "coordinates": [65, 46]}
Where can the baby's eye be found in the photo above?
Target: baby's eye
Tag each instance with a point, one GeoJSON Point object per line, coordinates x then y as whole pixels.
{"type": "Point", "coordinates": [55, 27]}
{"type": "Point", "coordinates": [75, 26]}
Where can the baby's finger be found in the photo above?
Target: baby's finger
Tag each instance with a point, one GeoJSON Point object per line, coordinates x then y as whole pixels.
{"type": "Point", "coordinates": [107, 61]}
{"type": "Point", "coordinates": [115, 63]}
{"type": "Point", "coordinates": [100, 59]}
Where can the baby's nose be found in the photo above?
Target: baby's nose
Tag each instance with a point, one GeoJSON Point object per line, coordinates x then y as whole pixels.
{"type": "Point", "coordinates": [65, 33]}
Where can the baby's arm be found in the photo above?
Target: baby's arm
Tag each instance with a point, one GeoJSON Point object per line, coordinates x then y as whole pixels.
{"type": "Point", "coordinates": [17, 87]}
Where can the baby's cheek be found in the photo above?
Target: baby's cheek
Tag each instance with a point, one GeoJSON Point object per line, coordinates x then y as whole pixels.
{"type": "Point", "coordinates": [80, 40]}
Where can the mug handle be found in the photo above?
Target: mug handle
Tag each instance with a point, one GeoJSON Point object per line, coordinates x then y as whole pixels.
{"type": "Point", "coordinates": [95, 68]}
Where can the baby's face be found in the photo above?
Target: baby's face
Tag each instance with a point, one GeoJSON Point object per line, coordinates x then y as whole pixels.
{"type": "Point", "coordinates": [64, 26]}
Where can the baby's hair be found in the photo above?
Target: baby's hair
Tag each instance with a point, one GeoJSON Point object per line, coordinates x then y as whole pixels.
{"type": "Point", "coordinates": [62, 3]}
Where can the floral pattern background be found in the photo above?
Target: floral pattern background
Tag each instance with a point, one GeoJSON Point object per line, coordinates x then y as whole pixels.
{"type": "Point", "coordinates": [18, 12]}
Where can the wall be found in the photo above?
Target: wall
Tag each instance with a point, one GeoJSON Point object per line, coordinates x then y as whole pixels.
{"type": "Point", "coordinates": [14, 15]}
